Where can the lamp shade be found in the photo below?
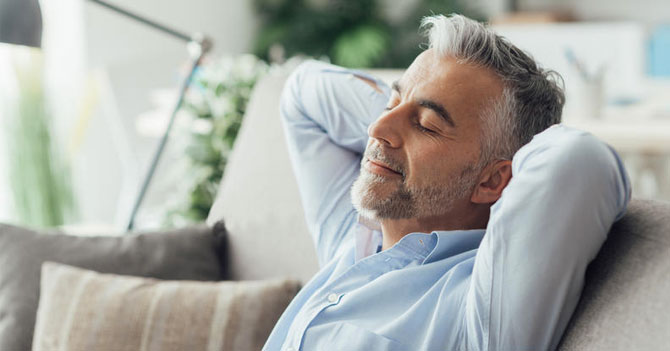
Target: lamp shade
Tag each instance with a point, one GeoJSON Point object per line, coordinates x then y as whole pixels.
{"type": "Point", "coordinates": [21, 22]}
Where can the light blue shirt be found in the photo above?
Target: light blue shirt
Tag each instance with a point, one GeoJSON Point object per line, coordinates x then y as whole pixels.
{"type": "Point", "coordinates": [512, 286]}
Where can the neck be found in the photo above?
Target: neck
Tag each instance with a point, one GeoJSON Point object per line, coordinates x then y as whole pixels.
{"type": "Point", "coordinates": [471, 217]}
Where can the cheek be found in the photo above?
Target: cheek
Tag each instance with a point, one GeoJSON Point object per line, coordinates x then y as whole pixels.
{"type": "Point", "coordinates": [430, 167]}
{"type": "Point", "coordinates": [439, 166]}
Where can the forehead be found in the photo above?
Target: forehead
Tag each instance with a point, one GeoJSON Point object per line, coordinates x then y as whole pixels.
{"type": "Point", "coordinates": [464, 89]}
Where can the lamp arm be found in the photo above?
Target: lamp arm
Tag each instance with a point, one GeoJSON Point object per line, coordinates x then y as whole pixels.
{"type": "Point", "coordinates": [162, 28]}
{"type": "Point", "coordinates": [161, 145]}
{"type": "Point", "coordinates": [198, 46]}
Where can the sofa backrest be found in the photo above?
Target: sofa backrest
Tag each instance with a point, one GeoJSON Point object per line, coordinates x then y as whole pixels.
{"type": "Point", "coordinates": [626, 300]}
{"type": "Point", "coordinates": [625, 304]}
{"type": "Point", "coordinates": [258, 197]}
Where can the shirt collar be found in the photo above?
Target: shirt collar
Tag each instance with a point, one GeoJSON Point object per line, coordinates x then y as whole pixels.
{"type": "Point", "coordinates": [454, 242]}
{"type": "Point", "coordinates": [431, 247]}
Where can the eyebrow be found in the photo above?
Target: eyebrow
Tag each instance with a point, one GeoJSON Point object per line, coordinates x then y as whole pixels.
{"type": "Point", "coordinates": [436, 107]}
{"type": "Point", "coordinates": [396, 86]}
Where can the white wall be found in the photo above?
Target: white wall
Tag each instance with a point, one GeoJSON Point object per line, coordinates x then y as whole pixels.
{"type": "Point", "coordinates": [112, 38]}
{"type": "Point", "coordinates": [649, 12]}
{"type": "Point", "coordinates": [8, 92]}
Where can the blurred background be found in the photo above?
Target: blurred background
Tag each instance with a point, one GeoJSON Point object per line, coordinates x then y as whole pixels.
{"type": "Point", "coordinates": [86, 94]}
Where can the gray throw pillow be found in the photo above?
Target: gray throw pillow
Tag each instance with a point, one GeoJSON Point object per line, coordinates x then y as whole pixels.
{"type": "Point", "coordinates": [186, 254]}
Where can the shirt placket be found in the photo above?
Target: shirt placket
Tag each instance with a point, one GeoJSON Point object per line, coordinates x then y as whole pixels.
{"type": "Point", "coordinates": [331, 294]}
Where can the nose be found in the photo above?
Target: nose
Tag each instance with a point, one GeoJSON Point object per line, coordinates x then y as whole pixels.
{"type": "Point", "coordinates": [386, 129]}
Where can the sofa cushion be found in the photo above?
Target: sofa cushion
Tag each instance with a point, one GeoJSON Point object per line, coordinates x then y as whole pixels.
{"type": "Point", "coordinates": [191, 253]}
{"type": "Point", "coordinates": [259, 199]}
{"type": "Point", "coordinates": [625, 304]}
{"type": "Point", "coordinates": [82, 310]}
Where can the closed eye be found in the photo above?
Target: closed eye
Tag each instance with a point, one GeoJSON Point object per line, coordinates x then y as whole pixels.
{"type": "Point", "coordinates": [423, 129]}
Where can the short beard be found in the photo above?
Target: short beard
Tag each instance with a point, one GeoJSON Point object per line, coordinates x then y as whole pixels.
{"type": "Point", "coordinates": [405, 201]}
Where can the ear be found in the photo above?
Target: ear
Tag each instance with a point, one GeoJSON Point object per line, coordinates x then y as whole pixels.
{"type": "Point", "coordinates": [492, 181]}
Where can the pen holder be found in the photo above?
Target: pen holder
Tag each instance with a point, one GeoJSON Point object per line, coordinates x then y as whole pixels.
{"type": "Point", "coordinates": [591, 97]}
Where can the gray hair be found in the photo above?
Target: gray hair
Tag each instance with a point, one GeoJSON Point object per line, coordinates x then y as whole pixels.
{"type": "Point", "coordinates": [532, 98]}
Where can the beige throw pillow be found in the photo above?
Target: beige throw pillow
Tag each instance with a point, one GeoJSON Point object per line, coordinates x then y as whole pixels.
{"type": "Point", "coordinates": [84, 310]}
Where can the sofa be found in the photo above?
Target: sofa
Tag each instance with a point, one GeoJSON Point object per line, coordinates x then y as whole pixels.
{"type": "Point", "coordinates": [626, 301]}
{"type": "Point", "coordinates": [625, 304]}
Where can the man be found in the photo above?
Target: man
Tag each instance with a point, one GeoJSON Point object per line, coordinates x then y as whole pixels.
{"type": "Point", "coordinates": [446, 213]}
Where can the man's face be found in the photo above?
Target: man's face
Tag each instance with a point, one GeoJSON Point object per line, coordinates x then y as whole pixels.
{"type": "Point", "coordinates": [423, 153]}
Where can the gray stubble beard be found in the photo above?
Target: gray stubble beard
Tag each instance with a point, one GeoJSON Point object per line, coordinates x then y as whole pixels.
{"type": "Point", "coordinates": [406, 202]}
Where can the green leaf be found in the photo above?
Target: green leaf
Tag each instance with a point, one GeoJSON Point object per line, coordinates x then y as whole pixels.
{"type": "Point", "coordinates": [361, 47]}
{"type": "Point", "coordinates": [225, 88]}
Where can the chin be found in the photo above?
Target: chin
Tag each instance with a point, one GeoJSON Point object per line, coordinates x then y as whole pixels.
{"type": "Point", "coordinates": [365, 193]}
{"type": "Point", "coordinates": [367, 213]}
{"type": "Point", "coordinates": [377, 198]}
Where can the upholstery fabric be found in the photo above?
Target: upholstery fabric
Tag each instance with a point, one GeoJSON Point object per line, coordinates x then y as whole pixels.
{"type": "Point", "coordinates": [85, 310]}
{"type": "Point", "coordinates": [258, 197]}
{"type": "Point", "coordinates": [190, 253]}
{"type": "Point", "coordinates": [625, 304]}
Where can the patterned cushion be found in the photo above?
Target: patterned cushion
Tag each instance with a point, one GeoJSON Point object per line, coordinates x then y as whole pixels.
{"type": "Point", "coordinates": [85, 310]}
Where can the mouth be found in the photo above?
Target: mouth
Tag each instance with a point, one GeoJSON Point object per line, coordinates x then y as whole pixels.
{"type": "Point", "coordinates": [381, 168]}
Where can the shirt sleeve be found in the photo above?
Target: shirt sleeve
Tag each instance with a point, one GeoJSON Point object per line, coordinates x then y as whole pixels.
{"type": "Point", "coordinates": [326, 111]}
{"type": "Point", "coordinates": [566, 191]}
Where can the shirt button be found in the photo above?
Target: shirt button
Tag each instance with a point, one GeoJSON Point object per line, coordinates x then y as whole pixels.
{"type": "Point", "coordinates": [332, 298]}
